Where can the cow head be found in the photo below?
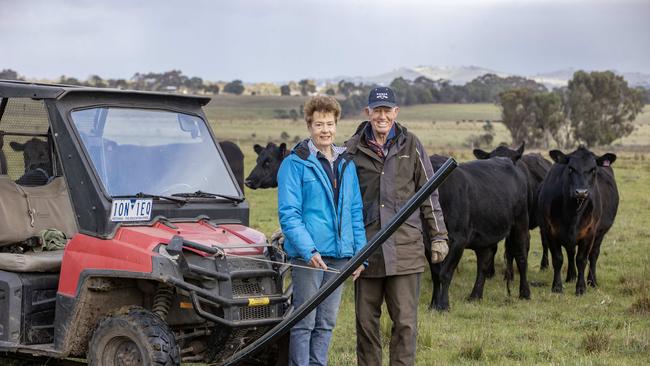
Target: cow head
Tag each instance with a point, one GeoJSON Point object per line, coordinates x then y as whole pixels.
{"type": "Point", "coordinates": [265, 173]}
{"type": "Point", "coordinates": [580, 169]}
{"type": "Point", "coordinates": [501, 151]}
{"type": "Point", "coordinates": [36, 154]}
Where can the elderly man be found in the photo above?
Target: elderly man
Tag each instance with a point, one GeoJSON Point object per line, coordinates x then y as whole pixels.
{"type": "Point", "coordinates": [392, 165]}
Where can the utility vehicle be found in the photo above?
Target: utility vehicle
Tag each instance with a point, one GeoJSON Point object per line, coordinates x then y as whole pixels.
{"type": "Point", "coordinates": [160, 265]}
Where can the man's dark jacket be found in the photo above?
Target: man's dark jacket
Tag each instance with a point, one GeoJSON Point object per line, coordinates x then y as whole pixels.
{"type": "Point", "coordinates": [386, 184]}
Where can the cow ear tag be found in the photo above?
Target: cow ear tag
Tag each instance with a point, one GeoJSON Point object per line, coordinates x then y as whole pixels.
{"type": "Point", "coordinates": [606, 163]}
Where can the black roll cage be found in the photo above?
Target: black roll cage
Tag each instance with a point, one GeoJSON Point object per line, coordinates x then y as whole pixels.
{"type": "Point", "coordinates": [89, 200]}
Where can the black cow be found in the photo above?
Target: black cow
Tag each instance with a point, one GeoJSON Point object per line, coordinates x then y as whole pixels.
{"type": "Point", "coordinates": [235, 158]}
{"type": "Point", "coordinates": [484, 201]}
{"type": "Point", "coordinates": [535, 167]}
{"type": "Point", "coordinates": [578, 201]}
{"type": "Point", "coordinates": [265, 173]}
{"type": "Point", "coordinates": [38, 165]}
{"type": "Point", "coordinates": [3, 158]}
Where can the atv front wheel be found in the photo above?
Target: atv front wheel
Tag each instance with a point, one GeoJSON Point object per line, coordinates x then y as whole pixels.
{"type": "Point", "coordinates": [137, 337]}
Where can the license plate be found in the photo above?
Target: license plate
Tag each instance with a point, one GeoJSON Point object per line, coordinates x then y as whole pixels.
{"type": "Point", "coordinates": [132, 210]}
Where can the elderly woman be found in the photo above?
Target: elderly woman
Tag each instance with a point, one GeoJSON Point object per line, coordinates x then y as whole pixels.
{"type": "Point", "coordinates": [320, 211]}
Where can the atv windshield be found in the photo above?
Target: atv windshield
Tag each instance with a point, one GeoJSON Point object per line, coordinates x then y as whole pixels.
{"type": "Point", "coordinates": [152, 151]}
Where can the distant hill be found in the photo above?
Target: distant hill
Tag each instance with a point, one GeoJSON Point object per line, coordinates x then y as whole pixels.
{"type": "Point", "coordinates": [460, 75]}
{"type": "Point", "coordinates": [456, 75]}
{"type": "Point", "coordinates": [560, 78]}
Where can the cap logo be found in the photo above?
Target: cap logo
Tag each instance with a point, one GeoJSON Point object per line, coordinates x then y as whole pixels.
{"type": "Point", "coordinates": [382, 96]}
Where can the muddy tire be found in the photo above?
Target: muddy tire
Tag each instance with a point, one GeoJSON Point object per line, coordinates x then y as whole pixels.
{"type": "Point", "coordinates": [133, 338]}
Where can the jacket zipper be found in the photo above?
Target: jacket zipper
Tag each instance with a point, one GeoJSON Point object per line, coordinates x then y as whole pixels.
{"type": "Point", "coordinates": [340, 205]}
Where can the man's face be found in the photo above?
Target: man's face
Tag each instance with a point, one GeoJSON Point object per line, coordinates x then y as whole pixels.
{"type": "Point", "coordinates": [322, 129]}
{"type": "Point", "coordinates": [382, 119]}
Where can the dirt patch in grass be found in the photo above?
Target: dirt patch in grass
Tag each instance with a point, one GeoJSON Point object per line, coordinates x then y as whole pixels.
{"type": "Point", "coordinates": [596, 342]}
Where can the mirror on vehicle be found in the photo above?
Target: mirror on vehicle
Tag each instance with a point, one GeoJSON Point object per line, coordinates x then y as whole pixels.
{"type": "Point", "coordinates": [188, 124]}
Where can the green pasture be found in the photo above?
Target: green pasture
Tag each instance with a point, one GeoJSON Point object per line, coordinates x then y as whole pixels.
{"type": "Point", "coordinates": [609, 325]}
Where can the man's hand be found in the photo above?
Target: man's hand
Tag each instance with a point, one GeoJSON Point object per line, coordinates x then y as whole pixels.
{"type": "Point", "coordinates": [439, 250]}
{"type": "Point", "coordinates": [317, 262]}
{"type": "Point", "coordinates": [357, 272]}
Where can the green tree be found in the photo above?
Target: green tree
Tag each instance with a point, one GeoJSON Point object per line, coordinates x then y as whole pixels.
{"type": "Point", "coordinates": [601, 107]}
{"type": "Point", "coordinates": [353, 105]}
{"type": "Point", "coordinates": [212, 88]}
{"type": "Point", "coordinates": [550, 118]}
{"type": "Point", "coordinates": [194, 84]}
{"type": "Point", "coordinates": [234, 87]}
{"type": "Point", "coordinates": [401, 88]}
{"type": "Point", "coordinates": [517, 114]}
{"type": "Point", "coordinates": [9, 74]}
{"type": "Point", "coordinates": [534, 117]}
{"type": "Point", "coordinates": [346, 88]}
{"type": "Point", "coordinates": [307, 86]}
{"type": "Point", "coordinates": [69, 80]}
{"type": "Point", "coordinates": [117, 83]}
{"type": "Point", "coordinates": [646, 94]}
{"type": "Point", "coordinates": [97, 81]}
{"type": "Point", "coordinates": [486, 88]}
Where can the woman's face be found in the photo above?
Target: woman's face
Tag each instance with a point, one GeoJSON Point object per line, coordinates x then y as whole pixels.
{"type": "Point", "coordinates": [322, 129]}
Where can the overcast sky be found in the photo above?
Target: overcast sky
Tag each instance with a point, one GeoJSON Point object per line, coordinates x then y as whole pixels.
{"type": "Point", "coordinates": [295, 39]}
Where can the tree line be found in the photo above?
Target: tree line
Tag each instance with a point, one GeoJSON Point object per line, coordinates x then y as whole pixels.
{"type": "Point", "coordinates": [595, 108]}
{"type": "Point", "coordinates": [422, 90]}
{"type": "Point", "coordinates": [169, 81]}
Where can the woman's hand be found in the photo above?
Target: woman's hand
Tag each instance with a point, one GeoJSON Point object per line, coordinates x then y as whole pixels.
{"type": "Point", "coordinates": [357, 272]}
{"type": "Point", "coordinates": [317, 262]}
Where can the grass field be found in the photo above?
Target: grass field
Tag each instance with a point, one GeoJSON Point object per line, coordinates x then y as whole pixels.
{"type": "Point", "coordinates": [609, 325]}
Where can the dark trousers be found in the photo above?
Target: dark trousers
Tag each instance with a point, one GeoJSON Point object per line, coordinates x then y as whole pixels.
{"type": "Point", "coordinates": [401, 294]}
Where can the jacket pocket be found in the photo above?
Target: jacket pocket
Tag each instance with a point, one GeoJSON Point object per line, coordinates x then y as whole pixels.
{"type": "Point", "coordinates": [411, 230]}
{"type": "Point", "coordinates": [414, 221]}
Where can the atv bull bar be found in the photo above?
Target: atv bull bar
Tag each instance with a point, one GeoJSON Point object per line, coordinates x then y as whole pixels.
{"type": "Point", "coordinates": [199, 295]}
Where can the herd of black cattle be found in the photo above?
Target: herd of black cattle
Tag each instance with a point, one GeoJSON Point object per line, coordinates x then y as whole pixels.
{"type": "Point", "coordinates": [502, 195]}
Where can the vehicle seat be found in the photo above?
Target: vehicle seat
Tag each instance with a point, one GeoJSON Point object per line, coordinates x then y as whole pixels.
{"type": "Point", "coordinates": [31, 261]}
{"type": "Point", "coordinates": [26, 211]}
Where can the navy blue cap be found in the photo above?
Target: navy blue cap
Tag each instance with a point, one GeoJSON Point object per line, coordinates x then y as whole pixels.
{"type": "Point", "coordinates": [381, 97]}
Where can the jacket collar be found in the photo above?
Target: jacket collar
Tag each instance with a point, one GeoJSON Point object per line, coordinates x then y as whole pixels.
{"type": "Point", "coordinates": [303, 151]}
{"type": "Point", "coordinates": [359, 137]}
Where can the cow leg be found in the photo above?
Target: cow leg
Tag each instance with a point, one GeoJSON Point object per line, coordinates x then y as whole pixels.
{"type": "Point", "coordinates": [571, 268]}
{"type": "Point", "coordinates": [435, 278]}
{"type": "Point", "coordinates": [557, 259]}
{"type": "Point", "coordinates": [490, 271]}
{"type": "Point", "coordinates": [543, 265]}
{"type": "Point", "coordinates": [581, 262]}
{"type": "Point", "coordinates": [593, 258]}
{"type": "Point", "coordinates": [484, 256]}
{"type": "Point", "coordinates": [447, 269]}
{"type": "Point", "coordinates": [518, 244]}
{"type": "Point", "coordinates": [435, 269]}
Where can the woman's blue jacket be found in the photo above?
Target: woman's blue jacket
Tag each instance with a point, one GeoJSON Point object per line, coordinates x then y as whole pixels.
{"type": "Point", "coordinates": [308, 217]}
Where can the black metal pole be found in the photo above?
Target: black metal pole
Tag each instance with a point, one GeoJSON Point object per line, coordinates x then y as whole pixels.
{"type": "Point", "coordinates": [379, 238]}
